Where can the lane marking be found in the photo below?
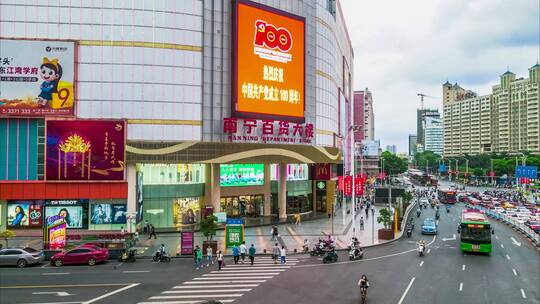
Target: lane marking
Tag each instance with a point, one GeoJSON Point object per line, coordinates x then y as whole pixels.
{"type": "Point", "coordinates": [421, 263]}
{"type": "Point", "coordinates": [218, 275]}
{"type": "Point", "coordinates": [507, 257]}
{"type": "Point", "coordinates": [463, 267]}
{"type": "Point", "coordinates": [44, 265]}
{"type": "Point", "coordinates": [111, 293]}
{"type": "Point", "coordinates": [262, 271]}
{"type": "Point", "coordinates": [216, 286]}
{"type": "Point", "coordinates": [119, 264]}
{"type": "Point", "coordinates": [461, 286]}
{"type": "Point", "coordinates": [186, 302]}
{"type": "Point", "coordinates": [60, 286]}
{"type": "Point", "coordinates": [502, 246]}
{"type": "Point", "coordinates": [207, 290]}
{"type": "Point", "coordinates": [225, 282]}
{"type": "Point", "coordinates": [55, 273]}
{"type": "Point", "coordinates": [514, 271]}
{"type": "Point", "coordinates": [232, 295]}
{"type": "Point", "coordinates": [429, 250]}
{"type": "Point", "coordinates": [523, 295]}
{"type": "Point", "coordinates": [496, 237]}
{"type": "Point", "coordinates": [515, 242]}
{"type": "Point", "coordinates": [406, 290]}
{"type": "Point", "coordinates": [135, 271]}
{"type": "Point", "coordinates": [231, 278]}
{"type": "Point", "coordinates": [58, 293]}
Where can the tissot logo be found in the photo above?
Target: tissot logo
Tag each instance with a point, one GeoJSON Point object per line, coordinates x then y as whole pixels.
{"type": "Point", "coordinates": [272, 43]}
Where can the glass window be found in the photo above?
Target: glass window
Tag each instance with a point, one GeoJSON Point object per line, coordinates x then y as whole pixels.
{"type": "Point", "coordinates": [167, 174]}
{"type": "Point", "coordinates": [294, 172]}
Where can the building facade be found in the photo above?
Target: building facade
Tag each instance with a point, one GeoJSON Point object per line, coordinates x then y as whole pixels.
{"type": "Point", "coordinates": [167, 75]}
{"type": "Point", "coordinates": [433, 133]}
{"type": "Point", "coordinates": [421, 116]}
{"type": "Point", "coordinates": [505, 121]}
{"type": "Point", "coordinates": [412, 145]}
{"type": "Point", "coordinates": [391, 148]}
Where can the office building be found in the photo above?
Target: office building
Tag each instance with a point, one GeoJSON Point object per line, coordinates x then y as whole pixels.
{"type": "Point", "coordinates": [433, 135]}
{"type": "Point", "coordinates": [412, 145]}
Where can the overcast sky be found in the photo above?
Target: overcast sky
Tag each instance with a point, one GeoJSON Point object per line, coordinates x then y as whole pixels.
{"type": "Point", "coordinates": [402, 48]}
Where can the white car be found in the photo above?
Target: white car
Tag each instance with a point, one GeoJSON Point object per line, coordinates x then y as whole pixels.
{"type": "Point", "coordinates": [499, 210]}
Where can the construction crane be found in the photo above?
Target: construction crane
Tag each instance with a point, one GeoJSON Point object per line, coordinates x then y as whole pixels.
{"type": "Point", "coordinates": [422, 95]}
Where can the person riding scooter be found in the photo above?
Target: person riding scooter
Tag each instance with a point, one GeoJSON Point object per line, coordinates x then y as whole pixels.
{"type": "Point", "coordinates": [421, 247]}
{"type": "Point", "coordinates": [418, 212]}
{"type": "Point", "coordinates": [305, 246]}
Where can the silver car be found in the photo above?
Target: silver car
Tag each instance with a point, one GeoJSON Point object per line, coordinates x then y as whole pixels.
{"type": "Point", "coordinates": [21, 257]}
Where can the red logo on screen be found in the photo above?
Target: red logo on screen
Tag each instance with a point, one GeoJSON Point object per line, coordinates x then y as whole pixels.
{"type": "Point", "coordinates": [272, 43]}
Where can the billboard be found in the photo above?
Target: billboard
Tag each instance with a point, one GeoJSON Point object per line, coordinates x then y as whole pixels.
{"type": "Point", "coordinates": [370, 147]}
{"type": "Point", "coordinates": [75, 212]}
{"type": "Point", "coordinates": [55, 233]}
{"type": "Point", "coordinates": [241, 175]}
{"type": "Point", "coordinates": [24, 213]}
{"type": "Point", "coordinates": [37, 77]}
{"type": "Point", "coordinates": [108, 214]}
{"type": "Point", "coordinates": [268, 63]}
{"type": "Point", "coordinates": [85, 150]}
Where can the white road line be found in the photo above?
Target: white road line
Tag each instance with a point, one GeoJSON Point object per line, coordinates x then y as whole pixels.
{"type": "Point", "coordinates": [497, 237]}
{"type": "Point", "coordinates": [406, 290]}
{"type": "Point", "coordinates": [225, 282]}
{"type": "Point", "coordinates": [502, 246]}
{"type": "Point", "coordinates": [44, 265]}
{"type": "Point", "coordinates": [207, 290]}
{"type": "Point", "coordinates": [55, 273]}
{"type": "Point", "coordinates": [514, 271]}
{"type": "Point", "coordinates": [217, 275]}
{"type": "Point", "coordinates": [231, 278]}
{"type": "Point", "coordinates": [463, 267]}
{"type": "Point", "coordinates": [247, 271]}
{"type": "Point", "coordinates": [421, 263]}
{"type": "Point", "coordinates": [258, 267]}
{"type": "Point", "coordinates": [110, 293]}
{"type": "Point", "coordinates": [215, 286]}
{"type": "Point", "coordinates": [232, 295]}
{"type": "Point", "coordinates": [507, 257]}
{"type": "Point", "coordinates": [461, 286]}
{"type": "Point", "coordinates": [429, 250]}
{"type": "Point", "coordinates": [135, 271]}
{"type": "Point", "coordinates": [186, 302]}
{"type": "Point", "coordinates": [523, 295]}
{"type": "Point", "coordinates": [119, 264]}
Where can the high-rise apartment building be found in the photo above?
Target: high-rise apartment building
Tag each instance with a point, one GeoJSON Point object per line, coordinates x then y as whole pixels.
{"type": "Point", "coordinates": [433, 135]}
{"type": "Point", "coordinates": [507, 120]}
{"type": "Point", "coordinates": [392, 149]}
{"type": "Point", "coordinates": [365, 99]}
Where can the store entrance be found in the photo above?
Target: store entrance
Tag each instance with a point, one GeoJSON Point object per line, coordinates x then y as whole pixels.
{"type": "Point", "coordinates": [243, 205]}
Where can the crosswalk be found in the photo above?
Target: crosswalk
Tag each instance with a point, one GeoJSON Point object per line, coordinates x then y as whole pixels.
{"type": "Point", "coordinates": [227, 285]}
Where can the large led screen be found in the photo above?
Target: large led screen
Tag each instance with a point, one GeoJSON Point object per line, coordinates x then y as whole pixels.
{"type": "Point", "coordinates": [268, 68]}
{"type": "Point", "coordinates": [241, 175]}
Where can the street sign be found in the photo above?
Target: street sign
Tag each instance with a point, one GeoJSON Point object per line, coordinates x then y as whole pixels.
{"type": "Point", "coordinates": [442, 168]}
{"type": "Point", "coordinates": [527, 171]}
{"type": "Point", "coordinates": [234, 232]}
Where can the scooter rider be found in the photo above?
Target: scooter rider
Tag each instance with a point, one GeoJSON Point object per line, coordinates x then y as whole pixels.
{"type": "Point", "coordinates": [162, 252]}
{"type": "Point", "coordinates": [363, 284]}
{"type": "Point", "coordinates": [421, 246]}
{"type": "Point", "coordinates": [305, 247]}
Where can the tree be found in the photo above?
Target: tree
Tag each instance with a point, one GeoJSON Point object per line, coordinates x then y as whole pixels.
{"type": "Point", "coordinates": [407, 196]}
{"type": "Point", "coordinates": [478, 172]}
{"type": "Point", "coordinates": [427, 158]}
{"type": "Point", "coordinates": [6, 235]}
{"type": "Point", "coordinates": [209, 226]}
{"type": "Point", "coordinates": [393, 164]}
{"type": "Point", "coordinates": [385, 217]}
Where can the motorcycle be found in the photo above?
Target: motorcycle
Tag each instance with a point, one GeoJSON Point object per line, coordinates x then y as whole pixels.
{"type": "Point", "coordinates": [161, 257]}
{"type": "Point", "coordinates": [421, 249]}
{"type": "Point", "coordinates": [356, 254]}
{"type": "Point", "coordinates": [330, 257]}
{"type": "Point", "coordinates": [127, 255]}
{"type": "Point", "coordinates": [317, 251]}
{"type": "Point", "coordinates": [409, 232]}
{"type": "Point", "coordinates": [418, 213]}
{"type": "Point", "coordinates": [437, 215]}
{"type": "Point", "coordinates": [305, 248]}
{"type": "Point", "coordinates": [447, 210]}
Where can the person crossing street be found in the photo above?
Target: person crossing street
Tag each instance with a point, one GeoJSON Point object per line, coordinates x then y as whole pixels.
{"type": "Point", "coordinates": [252, 254]}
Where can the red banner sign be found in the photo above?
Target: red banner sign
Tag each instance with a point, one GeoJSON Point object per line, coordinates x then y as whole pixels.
{"type": "Point", "coordinates": [340, 183]}
{"type": "Point", "coordinates": [358, 185]}
{"type": "Point", "coordinates": [348, 186]}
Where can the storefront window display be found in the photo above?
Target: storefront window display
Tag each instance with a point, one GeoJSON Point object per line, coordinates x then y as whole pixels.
{"type": "Point", "coordinates": [21, 214]}
{"type": "Point", "coordinates": [244, 205]}
{"type": "Point", "coordinates": [238, 175]}
{"type": "Point", "coordinates": [172, 174]}
{"type": "Point", "coordinates": [108, 214]}
{"type": "Point", "coordinates": [186, 211]}
{"type": "Point", "coordinates": [298, 204]}
{"type": "Point", "coordinates": [75, 212]}
{"type": "Point", "coordinates": [295, 172]}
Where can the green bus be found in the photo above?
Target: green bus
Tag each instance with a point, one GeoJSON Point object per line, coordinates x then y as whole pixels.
{"type": "Point", "coordinates": [475, 232]}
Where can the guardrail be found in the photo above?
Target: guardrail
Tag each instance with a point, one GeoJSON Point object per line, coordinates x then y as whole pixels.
{"type": "Point", "coordinates": [520, 227]}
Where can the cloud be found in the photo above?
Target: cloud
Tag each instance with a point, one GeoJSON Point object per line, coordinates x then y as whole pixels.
{"type": "Point", "coordinates": [407, 47]}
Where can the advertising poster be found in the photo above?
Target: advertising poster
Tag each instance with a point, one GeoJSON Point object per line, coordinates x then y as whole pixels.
{"type": "Point", "coordinates": [108, 214]}
{"type": "Point", "coordinates": [36, 78]}
{"type": "Point", "coordinates": [74, 212]}
{"type": "Point", "coordinates": [139, 196]}
{"type": "Point", "coordinates": [186, 243]}
{"type": "Point", "coordinates": [221, 217]}
{"type": "Point", "coordinates": [18, 214]}
{"type": "Point", "coordinates": [268, 51]}
{"type": "Point", "coordinates": [234, 232]}
{"type": "Point", "coordinates": [186, 210]}
{"type": "Point", "coordinates": [55, 232]}
{"type": "Point", "coordinates": [85, 150]}
{"type": "Point", "coordinates": [241, 175]}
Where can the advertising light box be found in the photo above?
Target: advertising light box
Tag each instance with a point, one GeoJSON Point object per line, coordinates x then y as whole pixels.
{"type": "Point", "coordinates": [37, 77]}
{"type": "Point", "coordinates": [241, 175]}
{"type": "Point", "coordinates": [269, 64]}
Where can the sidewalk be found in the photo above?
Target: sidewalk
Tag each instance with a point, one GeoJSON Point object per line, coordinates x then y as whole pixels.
{"type": "Point", "coordinates": [290, 235]}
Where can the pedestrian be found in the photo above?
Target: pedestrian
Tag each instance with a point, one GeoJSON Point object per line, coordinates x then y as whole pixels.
{"type": "Point", "coordinates": [275, 253]}
{"type": "Point", "coordinates": [243, 251]}
{"type": "Point", "coordinates": [274, 233]}
{"type": "Point", "coordinates": [297, 216]}
{"type": "Point", "coordinates": [236, 254]}
{"type": "Point", "coordinates": [209, 257]}
{"type": "Point", "coordinates": [367, 213]}
{"type": "Point", "coordinates": [146, 228]}
{"type": "Point", "coordinates": [122, 231]}
{"type": "Point", "coordinates": [220, 260]}
{"type": "Point", "coordinates": [252, 254]}
{"type": "Point", "coordinates": [152, 232]}
{"type": "Point", "coordinates": [361, 223]}
{"type": "Point", "coordinates": [198, 257]}
{"type": "Point", "coordinates": [373, 211]}
{"type": "Point", "coordinates": [283, 254]}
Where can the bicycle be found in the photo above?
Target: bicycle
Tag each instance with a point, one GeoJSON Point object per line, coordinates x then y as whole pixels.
{"type": "Point", "coordinates": [363, 295]}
